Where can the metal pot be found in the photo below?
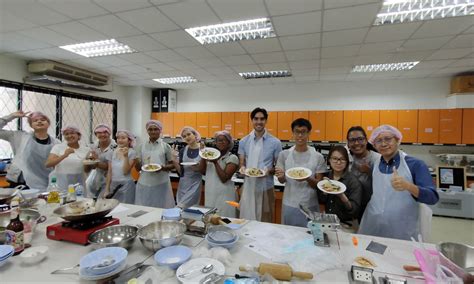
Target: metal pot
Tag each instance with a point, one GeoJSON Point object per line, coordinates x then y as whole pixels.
{"type": "Point", "coordinates": [114, 236]}
{"type": "Point", "coordinates": [159, 234]}
{"type": "Point", "coordinates": [30, 219]}
{"type": "Point", "coordinates": [86, 209]}
{"type": "Point", "coordinates": [459, 258]}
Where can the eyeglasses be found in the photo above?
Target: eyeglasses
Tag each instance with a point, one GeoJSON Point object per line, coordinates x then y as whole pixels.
{"type": "Point", "coordinates": [360, 139]}
{"type": "Point", "coordinates": [300, 133]}
{"type": "Point", "coordinates": [386, 140]}
{"type": "Point", "coordinates": [221, 140]}
{"type": "Point", "coordinates": [338, 160]}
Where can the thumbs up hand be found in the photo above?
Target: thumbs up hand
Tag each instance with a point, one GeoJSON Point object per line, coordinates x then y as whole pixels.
{"type": "Point", "coordinates": [398, 182]}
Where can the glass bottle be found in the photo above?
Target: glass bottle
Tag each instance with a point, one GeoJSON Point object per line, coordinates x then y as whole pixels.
{"type": "Point", "coordinates": [15, 231]}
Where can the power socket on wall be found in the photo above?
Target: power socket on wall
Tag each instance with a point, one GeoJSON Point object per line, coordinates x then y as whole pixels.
{"type": "Point", "coordinates": [362, 274]}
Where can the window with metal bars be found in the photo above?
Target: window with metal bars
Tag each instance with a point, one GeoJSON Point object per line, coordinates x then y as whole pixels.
{"type": "Point", "coordinates": [63, 108]}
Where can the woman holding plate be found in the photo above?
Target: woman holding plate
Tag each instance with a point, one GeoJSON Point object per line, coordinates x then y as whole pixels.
{"type": "Point", "coordinates": [345, 204]}
{"type": "Point", "coordinates": [190, 182]}
{"type": "Point", "coordinates": [301, 190]}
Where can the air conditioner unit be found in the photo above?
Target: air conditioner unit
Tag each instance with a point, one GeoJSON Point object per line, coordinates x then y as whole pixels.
{"type": "Point", "coordinates": [53, 72]}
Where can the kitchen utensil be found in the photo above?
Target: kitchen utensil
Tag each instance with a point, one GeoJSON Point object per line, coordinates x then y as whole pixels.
{"type": "Point", "coordinates": [94, 277]}
{"type": "Point", "coordinates": [279, 271]}
{"type": "Point", "coordinates": [204, 269]}
{"type": "Point", "coordinates": [459, 258]}
{"type": "Point", "coordinates": [211, 278]}
{"type": "Point", "coordinates": [62, 270]}
{"type": "Point", "coordinates": [86, 209]}
{"type": "Point", "coordinates": [194, 269]}
{"type": "Point", "coordinates": [173, 256]}
{"type": "Point", "coordinates": [160, 234]}
{"type": "Point", "coordinates": [114, 236]}
{"type": "Point", "coordinates": [132, 272]}
{"type": "Point", "coordinates": [103, 260]}
{"type": "Point", "coordinates": [227, 245]}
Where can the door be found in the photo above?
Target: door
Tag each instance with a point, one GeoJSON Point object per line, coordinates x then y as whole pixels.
{"type": "Point", "coordinates": [284, 125]}
{"type": "Point", "coordinates": [228, 121]}
{"type": "Point", "coordinates": [178, 123]}
{"type": "Point", "coordinates": [166, 119]}
{"type": "Point", "coordinates": [450, 126]}
{"type": "Point", "coordinates": [370, 119]}
{"type": "Point", "coordinates": [428, 126]}
{"type": "Point", "coordinates": [241, 123]}
{"type": "Point", "coordinates": [334, 120]}
{"type": "Point", "coordinates": [408, 125]}
{"type": "Point", "coordinates": [351, 118]}
{"type": "Point", "coordinates": [272, 123]}
{"type": "Point", "coordinates": [468, 126]}
{"type": "Point", "coordinates": [389, 117]}
{"type": "Point", "coordinates": [215, 123]}
{"type": "Point", "coordinates": [318, 123]}
{"type": "Point", "coordinates": [202, 123]}
{"type": "Point", "coordinates": [190, 119]}
{"type": "Point", "coordinates": [300, 114]}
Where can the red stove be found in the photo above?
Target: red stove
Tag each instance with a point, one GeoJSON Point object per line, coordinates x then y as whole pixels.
{"type": "Point", "coordinates": [78, 231]}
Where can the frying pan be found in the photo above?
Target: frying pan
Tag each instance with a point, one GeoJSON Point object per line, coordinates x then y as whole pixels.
{"type": "Point", "coordinates": [95, 209]}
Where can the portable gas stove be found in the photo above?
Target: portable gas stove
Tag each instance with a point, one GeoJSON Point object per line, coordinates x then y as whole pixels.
{"type": "Point", "coordinates": [78, 231]}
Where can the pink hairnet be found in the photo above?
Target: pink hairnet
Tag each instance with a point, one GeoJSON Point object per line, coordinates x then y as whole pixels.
{"type": "Point", "coordinates": [154, 123]}
{"type": "Point", "coordinates": [102, 128]}
{"type": "Point", "coordinates": [130, 135]}
{"type": "Point", "coordinates": [71, 128]}
{"type": "Point", "coordinates": [193, 131]}
{"type": "Point", "coordinates": [37, 114]}
{"type": "Point", "coordinates": [385, 128]}
{"type": "Point", "coordinates": [227, 135]}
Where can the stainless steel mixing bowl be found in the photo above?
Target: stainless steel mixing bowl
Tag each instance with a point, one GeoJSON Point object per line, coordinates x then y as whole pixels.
{"type": "Point", "coordinates": [114, 236]}
{"type": "Point", "coordinates": [165, 233]}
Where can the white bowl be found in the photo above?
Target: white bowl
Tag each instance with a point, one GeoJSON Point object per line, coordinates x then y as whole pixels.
{"type": "Point", "coordinates": [30, 193]}
{"type": "Point", "coordinates": [34, 254]}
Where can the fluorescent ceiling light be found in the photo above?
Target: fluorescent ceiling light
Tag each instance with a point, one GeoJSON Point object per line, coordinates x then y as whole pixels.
{"type": "Point", "coordinates": [235, 31]}
{"type": "Point", "coordinates": [400, 66]}
{"type": "Point", "coordinates": [176, 80]}
{"type": "Point", "coordinates": [99, 48]}
{"type": "Point", "coordinates": [401, 11]}
{"type": "Point", "coordinates": [265, 74]}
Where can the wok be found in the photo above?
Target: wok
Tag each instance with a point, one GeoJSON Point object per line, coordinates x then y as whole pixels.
{"type": "Point", "coordinates": [86, 209]}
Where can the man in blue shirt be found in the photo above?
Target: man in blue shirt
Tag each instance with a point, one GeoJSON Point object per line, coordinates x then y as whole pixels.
{"type": "Point", "coordinates": [400, 184]}
{"type": "Point", "coordinates": [258, 150]}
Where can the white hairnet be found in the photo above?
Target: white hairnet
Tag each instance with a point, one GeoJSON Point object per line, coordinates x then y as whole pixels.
{"type": "Point", "coordinates": [385, 128]}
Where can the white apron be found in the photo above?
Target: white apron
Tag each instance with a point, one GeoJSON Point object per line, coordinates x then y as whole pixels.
{"type": "Point", "coordinates": [391, 213]}
{"type": "Point", "coordinates": [126, 185]}
{"type": "Point", "coordinates": [190, 184]}
{"type": "Point", "coordinates": [35, 174]}
{"type": "Point", "coordinates": [95, 182]}
{"type": "Point", "coordinates": [251, 201]}
{"type": "Point", "coordinates": [217, 193]}
{"type": "Point", "coordinates": [154, 189]}
{"type": "Point", "coordinates": [297, 192]}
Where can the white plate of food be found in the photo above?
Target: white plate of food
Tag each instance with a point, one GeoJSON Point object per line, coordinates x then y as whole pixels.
{"type": "Point", "coordinates": [331, 186]}
{"type": "Point", "coordinates": [254, 172]}
{"type": "Point", "coordinates": [89, 162]}
{"type": "Point", "coordinates": [188, 163]}
{"type": "Point", "coordinates": [298, 173]}
{"type": "Point", "coordinates": [151, 168]}
{"type": "Point", "coordinates": [209, 153]}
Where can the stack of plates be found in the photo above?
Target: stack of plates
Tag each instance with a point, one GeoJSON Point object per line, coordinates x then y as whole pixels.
{"type": "Point", "coordinates": [5, 252]}
{"type": "Point", "coordinates": [103, 263]}
{"type": "Point", "coordinates": [171, 214]}
{"type": "Point", "coordinates": [221, 236]}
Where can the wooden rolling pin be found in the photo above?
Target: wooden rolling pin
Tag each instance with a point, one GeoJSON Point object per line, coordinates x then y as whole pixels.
{"type": "Point", "coordinates": [279, 271]}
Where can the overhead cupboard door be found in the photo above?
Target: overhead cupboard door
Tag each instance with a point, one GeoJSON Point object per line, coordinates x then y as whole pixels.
{"type": "Point", "coordinates": [428, 126]}
{"type": "Point", "coordinates": [408, 125]}
{"type": "Point", "coordinates": [351, 118]}
{"type": "Point", "coordinates": [190, 119]}
{"type": "Point", "coordinates": [215, 123]}
{"type": "Point", "coordinates": [300, 114]}
{"type": "Point", "coordinates": [318, 123]}
{"type": "Point", "coordinates": [202, 123]}
{"type": "Point", "coordinates": [241, 123]}
{"type": "Point", "coordinates": [389, 117]}
{"type": "Point", "coordinates": [450, 126]}
{"type": "Point", "coordinates": [468, 126]}
{"type": "Point", "coordinates": [334, 120]}
{"type": "Point", "coordinates": [228, 121]}
{"type": "Point", "coordinates": [370, 119]}
{"type": "Point", "coordinates": [272, 123]}
{"type": "Point", "coordinates": [178, 123]}
{"type": "Point", "coordinates": [284, 125]}
{"type": "Point", "coordinates": [167, 119]}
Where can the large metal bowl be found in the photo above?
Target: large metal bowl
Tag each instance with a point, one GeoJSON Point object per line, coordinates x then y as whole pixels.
{"type": "Point", "coordinates": [160, 234]}
{"type": "Point", "coordinates": [86, 209]}
{"type": "Point", "coordinates": [114, 236]}
{"type": "Point", "coordinates": [460, 258]}
{"type": "Point", "coordinates": [7, 194]}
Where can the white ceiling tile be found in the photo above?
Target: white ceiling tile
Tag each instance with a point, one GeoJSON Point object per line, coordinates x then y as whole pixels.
{"type": "Point", "coordinates": [228, 76]}
{"type": "Point", "coordinates": [263, 81]}
{"type": "Point", "coordinates": [432, 64]}
{"type": "Point", "coordinates": [274, 66]}
{"type": "Point", "coordinates": [87, 63]}
{"type": "Point", "coordinates": [344, 37]}
{"type": "Point", "coordinates": [468, 62]}
{"type": "Point", "coordinates": [387, 75]}
{"type": "Point", "coordinates": [412, 76]}
{"type": "Point", "coordinates": [304, 65]}
{"type": "Point", "coordinates": [141, 43]}
{"type": "Point", "coordinates": [166, 55]}
{"type": "Point", "coordinates": [199, 72]}
{"type": "Point", "coordinates": [148, 20]}
{"type": "Point", "coordinates": [177, 73]}
{"type": "Point", "coordinates": [282, 80]}
{"type": "Point", "coordinates": [241, 82]}
{"type": "Point", "coordinates": [284, 7]}
{"type": "Point", "coordinates": [305, 73]}
{"type": "Point", "coordinates": [442, 27]}
{"type": "Point", "coordinates": [190, 14]}
{"type": "Point", "coordinates": [306, 79]}
{"type": "Point", "coordinates": [113, 60]}
{"type": "Point", "coordinates": [464, 40]}
{"type": "Point", "coordinates": [300, 41]}
{"type": "Point", "coordinates": [246, 68]}
{"type": "Point", "coordinates": [183, 65]}
{"type": "Point", "coordinates": [78, 31]}
{"type": "Point", "coordinates": [297, 55]}
{"type": "Point", "coordinates": [138, 58]}
{"type": "Point", "coordinates": [238, 60]}
{"type": "Point", "coordinates": [134, 69]}
{"type": "Point", "coordinates": [261, 45]}
{"type": "Point", "coordinates": [380, 47]}
{"type": "Point", "coordinates": [111, 25]}
{"type": "Point", "coordinates": [221, 70]}
{"type": "Point", "coordinates": [33, 11]}
{"type": "Point", "coordinates": [331, 4]}
{"type": "Point", "coordinates": [337, 62]}
{"type": "Point", "coordinates": [175, 39]}
{"type": "Point", "coordinates": [113, 71]}
{"type": "Point", "coordinates": [14, 42]}
{"type": "Point", "coordinates": [194, 52]}
{"type": "Point", "coordinates": [338, 51]}
{"type": "Point", "coordinates": [359, 76]}
{"type": "Point", "coordinates": [217, 84]}
{"type": "Point", "coordinates": [425, 43]}
{"type": "Point", "coordinates": [75, 9]}
{"type": "Point", "coordinates": [157, 67]}
{"type": "Point", "coordinates": [297, 24]}
{"type": "Point", "coordinates": [337, 77]}
{"type": "Point", "coordinates": [29, 54]}
{"type": "Point", "coordinates": [469, 30]}
{"type": "Point", "coordinates": [452, 70]}
{"type": "Point", "coordinates": [454, 53]}
{"type": "Point", "coordinates": [208, 62]}
{"type": "Point", "coordinates": [416, 72]}
{"type": "Point", "coordinates": [391, 32]}
{"type": "Point", "coordinates": [410, 56]}
{"type": "Point", "coordinates": [335, 70]}
{"type": "Point", "coordinates": [226, 49]}
{"type": "Point", "coordinates": [123, 5]}
{"type": "Point", "coordinates": [231, 10]}
{"type": "Point", "coordinates": [350, 17]}
{"type": "Point", "coordinates": [9, 23]}
{"type": "Point", "coordinates": [372, 59]}
{"type": "Point", "coordinates": [48, 36]}
{"type": "Point", "coordinates": [59, 53]}
{"type": "Point", "coordinates": [205, 78]}
{"type": "Point", "coordinates": [270, 57]}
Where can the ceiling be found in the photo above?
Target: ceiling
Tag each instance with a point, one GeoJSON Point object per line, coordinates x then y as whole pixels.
{"type": "Point", "coordinates": [318, 40]}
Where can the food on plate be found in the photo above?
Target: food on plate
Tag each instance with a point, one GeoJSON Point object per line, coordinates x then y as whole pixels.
{"type": "Point", "coordinates": [80, 209]}
{"type": "Point", "coordinates": [254, 172]}
{"type": "Point", "coordinates": [364, 262]}
{"type": "Point", "coordinates": [331, 187]}
{"type": "Point", "coordinates": [297, 173]}
{"type": "Point", "coordinates": [208, 154]}
{"type": "Point", "coordinates": [151, 167]}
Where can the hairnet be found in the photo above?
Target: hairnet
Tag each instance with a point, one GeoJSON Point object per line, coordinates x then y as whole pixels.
{"type": "Point", "coordinates": [130, 135]}
{"type": "Point", "coordinates": [154, 123]}
{"type": "Point", "coordinates": [385, 128]}
{"type": "Point", "coordinates": [102, 128]}
{"type": "Point", "coordinates": [193, 131]}
{"type": "Point", "coordinates": [227, 135]}
{"type": "Point", "coordinates": [37, 114]}
{"type": "Point", "coordinates": [71, 128]}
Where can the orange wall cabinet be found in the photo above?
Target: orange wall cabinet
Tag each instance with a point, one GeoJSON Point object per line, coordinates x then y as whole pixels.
{"type": "Point", "coordinates": [334, 120]}
{"type": "Point", "coordinates": [468, 126]}
{"type": "Point", "coordinates": [450, 126]}
{"type": "Point", "coordinates": [408, 125]}
{"type": "Point", "coordinates": [300, 114]}
{"type": "Point", "coordinates": [202, 123]}
{"type": "Point", "coordinates": [389, 117]}
{"type": "Point", "coordinates": [272, 123]}
{"type": "Point", "coordinates": [428, 126]}
{"type": "Point", "coordinates": [241, 123]}
{"type": "Point", "coordinates": [178, 123]}
{"type": "Point", "coordinates": [190, 119]}
{"type": "Point", "coordinates": [370, 119]}
{"type": "Point", "coordinates": [167, 120]}
{"type": "Point", "coordinates": [351, 118]}
{"type": "Point", "coordinates": [318, 123]}
{"type": "Point", "coordinates": [228, 121]}
{"type": "Point", "coordinates": [284, 125]}
{"type": "Point", "coordinates": [215, 123]}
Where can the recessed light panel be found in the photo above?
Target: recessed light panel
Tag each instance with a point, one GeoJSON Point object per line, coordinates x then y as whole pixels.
{"type": "Point", "coordinates": [265, 74]}
{"type": "Point", "coordinates": [99, 48]}
{"type": "Point", "coordinates": [400, 66]}
{"type": "Point", "coordinates": [176, 80]}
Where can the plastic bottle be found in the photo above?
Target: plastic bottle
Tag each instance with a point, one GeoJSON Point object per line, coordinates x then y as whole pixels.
{"type": "Point", "coordinates": [71, 194]}
{"type": "Point", "coordinates": [79, 190]}
{"type": "Point", "coordinates": [54, 192]}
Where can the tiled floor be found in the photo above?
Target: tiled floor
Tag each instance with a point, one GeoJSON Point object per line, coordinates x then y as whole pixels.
{"type": "Point", "coordinates": [452, 229]}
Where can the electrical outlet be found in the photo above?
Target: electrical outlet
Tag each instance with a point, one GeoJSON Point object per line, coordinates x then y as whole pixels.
{"type": "Point", "coordinates": [362, 274]}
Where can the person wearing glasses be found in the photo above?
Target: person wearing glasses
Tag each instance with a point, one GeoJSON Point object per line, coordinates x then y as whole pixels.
{"type": "Point", "coordinates": [299, 191]}
{"type": "Point", "coordinates": [345, 205]}
{"type": "Point", "coordinates": [400, 184]}
{"type": "Point", "coordinates": [363, 159]}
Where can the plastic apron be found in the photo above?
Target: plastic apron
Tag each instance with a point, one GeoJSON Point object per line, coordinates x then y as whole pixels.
{"type": "Point", "coordinates": [190, 184]}
{"type": "Point", "coordinates": [126, 190]}
{"type": "Point", "coordinates": [217, 193]}
{"type": "Point", "coordinates": [251, 201]}
{"type": "Point", "coordinates": [297, 192]}
{"type": "Point", "coordinates": [391, 213]}
{"type": "Point", "coordinates": [154, 189]}
{"type": "Point", "coordinates": [36, 175]}
{"type": "Point", "coordinates": [95, 182]}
